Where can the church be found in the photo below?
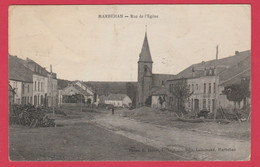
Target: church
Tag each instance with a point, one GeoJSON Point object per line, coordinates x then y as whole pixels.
{"type": "Point", "coordinates": [148, 83]}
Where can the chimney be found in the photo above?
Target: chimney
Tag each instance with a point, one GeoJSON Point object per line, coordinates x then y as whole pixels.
{"type": "Point", "coordinates": [217, 52]}
{"type": "Point", "coordinates": [236, 52]}
{"type": "Point", "coordinates": [193, 72]}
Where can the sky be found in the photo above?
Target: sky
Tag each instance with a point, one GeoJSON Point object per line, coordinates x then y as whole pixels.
{"type": "Point", "coordinates": [82, 46]}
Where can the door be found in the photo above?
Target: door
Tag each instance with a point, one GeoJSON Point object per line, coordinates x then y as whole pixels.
{"type": "Point", "coordinates": [196, 105]}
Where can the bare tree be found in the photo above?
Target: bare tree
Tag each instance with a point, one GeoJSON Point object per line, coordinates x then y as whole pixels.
{"type": "Point", "coordinates": [181, 92]}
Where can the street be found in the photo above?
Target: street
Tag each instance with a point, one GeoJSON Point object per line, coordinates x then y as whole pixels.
{"type": "Point", "coordinates": [92, 136]}
{"type": "Point", "coordinates": [78, 140]}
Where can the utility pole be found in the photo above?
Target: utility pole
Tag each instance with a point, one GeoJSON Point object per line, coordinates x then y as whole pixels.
{"type": "Point", "coordinates": [215, 87]}
{"type": "Point", "coordinates": [53, 112]}
{"type": "Point", "coordinates": [81, 102]}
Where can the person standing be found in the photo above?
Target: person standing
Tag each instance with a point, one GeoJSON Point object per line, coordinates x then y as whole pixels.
{"type": "Point", "coordinates": [113, 109]}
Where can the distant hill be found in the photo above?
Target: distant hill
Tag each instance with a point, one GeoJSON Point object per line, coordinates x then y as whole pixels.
{"type": "Point", "coordinates": [105, 88]}
{"type": "Point", "coordinates": [62, 83]}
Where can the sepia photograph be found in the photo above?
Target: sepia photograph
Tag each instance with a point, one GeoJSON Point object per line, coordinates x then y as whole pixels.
{"type": "Point", "coordinates": [129, 82]}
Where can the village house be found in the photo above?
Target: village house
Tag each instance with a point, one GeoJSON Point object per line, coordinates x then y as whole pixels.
{"type": "Point", "coordinates": [42, 85]}
{"type": "Point", "coordinates": [11, 94]}
{"type": "Point", "coordinates": [118, 100]}
{"type": "Point", "coordinates": [207, 80]}
{"type": "Point", "coordinates": [93, 95]}
{"type": "Point", "coordinates": [21, 81]}
{"type": "Point", "coordinates": [68, 93]}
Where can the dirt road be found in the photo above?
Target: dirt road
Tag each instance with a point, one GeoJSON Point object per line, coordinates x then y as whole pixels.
{"type": "Point", "coordinates": [188, 145]}
{"type": "Point", "coordinates": [78, 140]}
{"type": "Point", "coordinates": [99, 136]}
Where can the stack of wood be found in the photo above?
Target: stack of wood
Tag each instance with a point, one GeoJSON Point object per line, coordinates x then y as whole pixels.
{"type": "Point", "coordinates": [31, 116]}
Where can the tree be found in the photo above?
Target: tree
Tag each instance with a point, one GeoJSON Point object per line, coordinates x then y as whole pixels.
{"type": "Point", "coordinates": [148, 101]}
{"type": "Point", "coordinates": [181, 92]}
{"type": "Point", "coordinates": [131, 92]}
{"type": "Point", "coordinates": [236, 93]}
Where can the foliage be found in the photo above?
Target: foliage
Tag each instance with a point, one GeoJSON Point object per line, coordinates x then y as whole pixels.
{"type": "Point", "coordinates": [237, 92]}
{"type": "Point", "coordinates": [181, 92]}
{"type": "Point", "coordinates": [76, 98]}
{"type": "Point", "coordinates": [148, 101]}
{"type": "Point", "coordinates": [131, 92]}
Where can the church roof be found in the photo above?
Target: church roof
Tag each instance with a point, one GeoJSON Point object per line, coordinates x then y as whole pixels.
{"type": "Point", "coordinates": [145, 55]}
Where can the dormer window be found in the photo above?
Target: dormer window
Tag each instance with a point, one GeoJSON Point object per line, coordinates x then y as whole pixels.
{"type": "Point", "coordinates": [145, 68]}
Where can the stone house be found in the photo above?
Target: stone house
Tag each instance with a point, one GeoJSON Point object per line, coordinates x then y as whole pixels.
{"type": "Point", "coordinates": [206, 81]}
{"type": "Point", "coordinates": [73, 89]}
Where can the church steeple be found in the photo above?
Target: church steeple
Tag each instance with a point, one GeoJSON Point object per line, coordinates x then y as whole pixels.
{"type": "Point", "coordinates": [145, 55]}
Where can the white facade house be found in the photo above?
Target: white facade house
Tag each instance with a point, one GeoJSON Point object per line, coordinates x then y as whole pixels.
{"type": "Point", "coordinates": [32, 82]}
{"type": "Point", "coordinates": [118, 100]}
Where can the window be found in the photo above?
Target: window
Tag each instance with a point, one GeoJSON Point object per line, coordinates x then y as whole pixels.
{"type": "Point", "coordinates": [197, 86]}
{"type": "Point", "coordinates": [41, 86]}
{"type": "Point", "coordinates": [171, 87]}
{"type": "Point", "coordinates": [38, 86]}
{"type": "Point", "coordinates": [214, 87]}
{"type": "Point", "coordinates": [205, 87]}
{"type": "Point", "coordinates": [28, 88]}
{"type": "Point", "coordinates": [209, 107]}
{"type": "Point", "coordinates": [192, 88]}
{"type": "Point", "coordinates": [162, 83]}
{"type": "Point", "coordinates": [145, 68]}
{"type": "Point", "coordinates": [35, 85]}
{"type": "Point", "coordinates": [22, 88]}
{"type": "Point", "coordinates": [191, 104]}
{"type": "Point", "coordinates": [209, 88]}
{"type": "Point", "coordinates": [204, 104]}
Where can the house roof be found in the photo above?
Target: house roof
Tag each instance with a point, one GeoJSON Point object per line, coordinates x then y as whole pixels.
{"type": "Point", "coordinates": [82, 91]}
{"type": "Point", "coordinates": [118, 97]}
{"type": "Point", "coordinates": [17, 71]}
{"type": "Point", "coordinates": [145, 55]}
{"type": "Point", "coordinates": [79, 89]}
{"type": "Point", "coordinates": [234, 74]}
{"type": "Point", "coordinates": [84, 84]}
{"type": "Point", "coordinates": [159, 91]}
{"type": "Point", "coordinates": [162, 77]}
{"type": "Point", "coordinates": [222, 64]}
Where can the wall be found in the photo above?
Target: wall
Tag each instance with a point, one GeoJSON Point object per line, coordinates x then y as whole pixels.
{"type": "Point", "coordinates": [27, 93]}
{"type": "Point", "coordinates": [127, 101]}
{"type": "Point", "coordinates": [17, 85]}
{"type": "Point", "coordinates": [116, 103]}
{"type": "Point", "coordinates": [38, 89]}
{"type": "Point", "coordinates": [205, 99]}
{"type": "Point", "coordinates": [144, 84]}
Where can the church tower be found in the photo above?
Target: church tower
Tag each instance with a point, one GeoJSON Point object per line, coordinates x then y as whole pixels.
{"type": "Point", "coordinates": [145, 67]}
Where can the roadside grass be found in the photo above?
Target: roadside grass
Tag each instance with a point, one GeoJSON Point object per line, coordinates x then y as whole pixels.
{"type": "Point", "coordinates": [168, 119]}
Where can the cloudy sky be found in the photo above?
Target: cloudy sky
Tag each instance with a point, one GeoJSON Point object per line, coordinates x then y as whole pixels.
{"type": "Point", "coordinates": [81, 46]}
